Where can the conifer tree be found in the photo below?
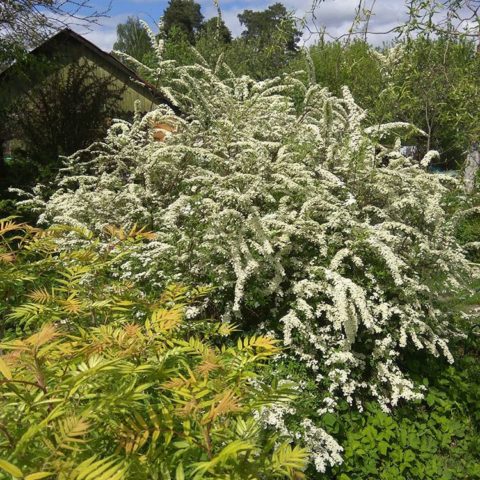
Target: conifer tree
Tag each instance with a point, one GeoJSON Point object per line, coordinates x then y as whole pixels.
{"type": "Point", "coordinates": [261, 26]}
{"type": "Point", "coordinates": [212, 27]}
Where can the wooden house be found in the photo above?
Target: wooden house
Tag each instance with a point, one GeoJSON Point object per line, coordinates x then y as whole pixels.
{"type": "Point", "coordinates": [56, 55]}
{"type": "Point", "coordinates": [67, 47]}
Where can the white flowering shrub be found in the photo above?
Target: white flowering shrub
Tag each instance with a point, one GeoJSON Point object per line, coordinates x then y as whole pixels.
{"type": "Point", "coordinates": [304, 220]}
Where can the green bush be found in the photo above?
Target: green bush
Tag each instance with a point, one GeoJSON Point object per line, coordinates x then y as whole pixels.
{"type": "Point", "coordinates": [114, 384]}
{"type": "Point", "coordinates": [437, 438]}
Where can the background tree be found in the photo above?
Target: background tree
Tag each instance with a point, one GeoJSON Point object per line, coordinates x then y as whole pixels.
{"type": "Point", "coordinates": [431, 83]}
{"type": "Point", "coordinates": [267, 44]}
{"type": "Point", "coordinates": [177, 47]}
{"type": "Point", "coordinates": [353, 64]}
{"type": "Point", "coordinates": [132, 38]}
{"type": "Point", "coordinates": [185, 15]}
{"type": "Point", "coordinates": [264, 50]}
{"type": "Point", "coordinates": [434, 85]}
{"type": "Point", "coordinates": [260, 26]}
{"type": "Point", "coordinates": [212, 27]}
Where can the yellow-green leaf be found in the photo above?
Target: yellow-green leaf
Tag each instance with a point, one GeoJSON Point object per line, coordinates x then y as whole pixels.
{"type": "Point", "coordinates": [179, 474]}
{"type": "Point", "coordinates": [4, 370]}
{"type": "Point", "coordinates": [38, 475]}
{"type": "Point", "coordinates": [11, 469]}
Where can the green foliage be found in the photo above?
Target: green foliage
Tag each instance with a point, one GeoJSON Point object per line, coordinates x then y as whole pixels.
{"type": "Point", "coordinates": [265, 48]}
{"type": "Point", "coordinates": [353, 64]}
{"type": "Point", "coordinates": [437, 438]}
{"type": "Point", "coordinates": [10, 51]}
{"type": "Point", "coordinates": [177, 47]}
{"type": "Point", "coordinates": [217, 28]}
{"type": "Point", "coordinates": [267, 45]}
{"type": "Point", "coordinates": [260, 25]}
{"type": "Point", "coordinates": [132, 39]}
{"type": "Point", "coordinates": [41, 284]}
{"type": "Point", "coordinates": [115, 383]}
{"type": "Point", "coordinates": [434, 85]}
{"type": "Point", "coordinates": [468, 225]}
{"type": "Point", "coordinates": [185, 15]}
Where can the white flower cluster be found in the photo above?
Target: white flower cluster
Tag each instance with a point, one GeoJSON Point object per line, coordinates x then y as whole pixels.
{"type": "Point", "coordinates": [324, 449]}
{"type": "Point", "coordinates": [276, 193]}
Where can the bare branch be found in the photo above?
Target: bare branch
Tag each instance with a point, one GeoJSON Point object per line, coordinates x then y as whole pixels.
{"type": "Point", "coordinates": [29, 21]}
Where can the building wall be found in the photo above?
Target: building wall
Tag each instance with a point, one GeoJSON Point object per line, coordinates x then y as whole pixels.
{"type": "Point", "coordinates": [64, 52]}
{"type": "Point", "coordinates": [131, 94]}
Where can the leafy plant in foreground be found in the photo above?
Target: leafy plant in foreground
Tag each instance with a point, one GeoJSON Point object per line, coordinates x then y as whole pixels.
{"type": "Point", "coordinates": [112, 388]}
{"type": "Point", "coordinates": [139, 399]}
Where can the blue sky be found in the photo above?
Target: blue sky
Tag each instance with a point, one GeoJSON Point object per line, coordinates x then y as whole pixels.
{"type": "Point", "coordinates": [336, 15]}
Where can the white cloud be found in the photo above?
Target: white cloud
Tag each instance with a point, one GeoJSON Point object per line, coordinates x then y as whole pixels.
{"type": "Point", "coordinates": [103, 39]}
{"type": "Point", "coordinates": [105, 34]}
{"type": "Point", "coordinates": [335, 15]}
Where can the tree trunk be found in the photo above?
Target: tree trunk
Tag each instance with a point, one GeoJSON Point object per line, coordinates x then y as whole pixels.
{"type": "Point", "coordinates": [472, 164]}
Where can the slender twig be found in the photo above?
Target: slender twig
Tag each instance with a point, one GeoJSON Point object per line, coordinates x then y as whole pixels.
{"type": "Point", "coordinates": [9, 436]}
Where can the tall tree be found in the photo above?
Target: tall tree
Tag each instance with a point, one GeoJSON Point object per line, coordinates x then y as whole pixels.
{"type": "Point", "coordinates": [220, 31]}
{"type": "Point", "coordinates": [132, 38]}
{"type": "Point", "coordinates": [184, 15]}
{"type": "Point", "coordinates": [263, 25]}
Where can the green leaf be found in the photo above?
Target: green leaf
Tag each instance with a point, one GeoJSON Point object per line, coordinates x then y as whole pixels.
{"type": "Point", "coordinates": [329, 419]}
{"type": "Point", "coordinates": [179, 474]}
{"type": "Point", "coordinates": [4, 370]}
{"type": "Point", "coordinates": [286, 458]}
{"type": "Point", "coordinates": [383, 447]}
{"type": "Point", "coordinates": [11, 469]}
{"type": "Point", "coordinates": [409, 456]}
{"type": "Point", "coordinates": [230, 451]}
{"type": "Point", "coordinates": [38, 475]}
{"type": "Point", "coordinates": [104, 469]}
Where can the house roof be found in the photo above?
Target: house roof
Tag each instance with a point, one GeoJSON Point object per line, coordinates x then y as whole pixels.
{"type": "Point", "coordinates": [67, 35]}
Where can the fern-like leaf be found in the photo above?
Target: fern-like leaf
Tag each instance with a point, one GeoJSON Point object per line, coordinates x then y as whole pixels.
{"type": "Point", "coordinates": [134, 433]}
{"type": "Point", "coordinates": [71, 305]}
{"type": "Point", "coordinates": [71, 432]}
{"type": "Point", "coordinates": [267, 344]}
{"type": "Point", "coordinates": [174, 293]}
{"type": "Point", "coordinates": [226, 402]}
{"type": "Point", "coordinates": [7, 257]}
{"type": "Point", "coordinates": [45, 335]}
{"type": "Point", "coordinates": [109, 468]}
{"type": "Point", "coordinates": [27, 312]}
{"type": "Point", "coordinates": [163, 320]}
{"type": "Point", "coordinates": [9, 225]}
{"type": "Point", "coordinates": [290, 461]}
{"type": "Point", "coordinates": [41, 295]}
{"type": "Point", "coordinates": [232, 450]}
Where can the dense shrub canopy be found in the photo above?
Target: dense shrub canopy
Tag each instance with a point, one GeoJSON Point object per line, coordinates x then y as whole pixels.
{"type": "Point", "coordinates": [310, 225]}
